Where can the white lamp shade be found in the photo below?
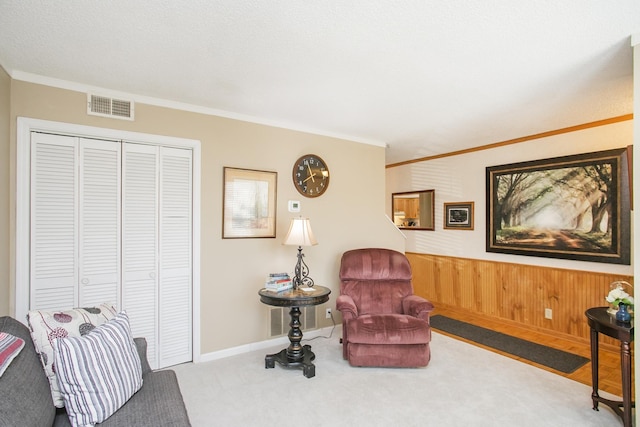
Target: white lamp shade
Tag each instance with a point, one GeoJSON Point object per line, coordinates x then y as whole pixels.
{"type": "Point", "coordinates": [300, 233]}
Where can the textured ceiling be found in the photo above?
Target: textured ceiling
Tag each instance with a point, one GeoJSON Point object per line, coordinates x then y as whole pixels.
{"type": "Point", "coordinates": [422, 77]}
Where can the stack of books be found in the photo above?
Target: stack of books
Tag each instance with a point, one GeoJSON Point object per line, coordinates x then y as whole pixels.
{"type": "Point", "coordinates": [278, 282]}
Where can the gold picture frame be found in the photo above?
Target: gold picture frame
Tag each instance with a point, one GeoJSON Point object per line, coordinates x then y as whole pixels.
{"type": "Point", "coordinates": [249, 203]}
{"type": "Point", "coordinates": [458, 216]}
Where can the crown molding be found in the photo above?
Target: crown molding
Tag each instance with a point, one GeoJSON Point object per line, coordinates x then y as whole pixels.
{"type": "Point", "coordinates": [176, 105]}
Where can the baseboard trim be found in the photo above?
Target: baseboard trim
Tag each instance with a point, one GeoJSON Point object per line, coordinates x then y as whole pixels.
{"type": "Point", "coordinates": [260, 345]}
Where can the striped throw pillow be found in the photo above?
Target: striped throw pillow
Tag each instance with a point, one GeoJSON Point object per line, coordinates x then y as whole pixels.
{"type": "Point", "coordinates": [98, 372]}
{"type": "Point", "coordinates": [10, 347]}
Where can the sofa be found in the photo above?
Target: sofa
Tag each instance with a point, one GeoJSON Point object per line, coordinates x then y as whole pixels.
{"type": "Point", "coordinates": [26, 397]}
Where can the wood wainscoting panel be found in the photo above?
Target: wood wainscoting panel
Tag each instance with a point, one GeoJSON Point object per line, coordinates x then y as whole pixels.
{"type": "Point", "coordinates": [514, 293]}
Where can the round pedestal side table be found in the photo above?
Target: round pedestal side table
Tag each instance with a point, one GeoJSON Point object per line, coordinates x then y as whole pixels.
{"type": "Point", "coordinates": [296, 355]}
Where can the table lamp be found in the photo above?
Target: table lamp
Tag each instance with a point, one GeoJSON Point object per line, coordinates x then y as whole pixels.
{"type": "Point", "coordinates": [300, 235]}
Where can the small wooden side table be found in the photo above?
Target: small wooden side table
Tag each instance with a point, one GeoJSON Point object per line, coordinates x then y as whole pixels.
{"type": "Point", "coordinates": [602, 322]}
{"type": "Point", "coordinates": [296, 355]}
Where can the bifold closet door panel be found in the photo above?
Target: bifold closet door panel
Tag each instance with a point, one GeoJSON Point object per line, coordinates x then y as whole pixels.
{"type": "Point", "coordinates": [176, 256]}
{"type": "Point", "coordinates": [54, 222]}
{"type": "Point", "coordinates": [99, 239]}
{"type": "Point", "coordinates": [140, 254]}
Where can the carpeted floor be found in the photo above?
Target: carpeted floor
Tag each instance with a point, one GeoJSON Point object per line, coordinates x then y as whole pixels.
{"type": "Point", "coordinates": [559, 360]}
{"type": "Point", "coordinates": [464, 385]}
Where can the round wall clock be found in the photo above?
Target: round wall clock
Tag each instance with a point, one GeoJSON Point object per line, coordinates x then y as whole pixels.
{"type": "Point", "coordinates": [310, 175]}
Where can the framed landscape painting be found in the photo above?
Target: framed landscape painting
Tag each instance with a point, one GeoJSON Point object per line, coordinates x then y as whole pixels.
{"type": "Point", "coordinates": [248, 203]}
{"type": "Point", "coordinates": [573, 207]}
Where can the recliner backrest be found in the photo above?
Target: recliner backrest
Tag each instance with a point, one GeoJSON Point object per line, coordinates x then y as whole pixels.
{"type": "Point", "coordinates": [377, 279]}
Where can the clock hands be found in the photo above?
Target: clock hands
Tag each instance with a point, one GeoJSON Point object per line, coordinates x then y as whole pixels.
{"type": "Point", "coordinates": [312, 174]}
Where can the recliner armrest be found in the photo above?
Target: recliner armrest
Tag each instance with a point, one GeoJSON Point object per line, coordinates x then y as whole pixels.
{"type": "Point", "coordinates": [141, 346]}
{"type": "Point", "coordinates": [346, 305]}
{"type": "Point", "coordinates": [416, 306]}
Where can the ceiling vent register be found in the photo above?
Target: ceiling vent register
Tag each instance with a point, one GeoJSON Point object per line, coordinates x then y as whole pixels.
{"type": "Point", "coordinates": [109, 107]}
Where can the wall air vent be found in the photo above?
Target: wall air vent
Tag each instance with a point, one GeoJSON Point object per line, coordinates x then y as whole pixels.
{"type": "Point", "coordinates": [279, 320]}
{"type": "Point", "coordinates": [109, 107]}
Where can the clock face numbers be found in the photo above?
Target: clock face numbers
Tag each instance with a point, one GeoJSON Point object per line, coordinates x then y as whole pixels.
{"type": "Point", "coordinates": [310, 175]}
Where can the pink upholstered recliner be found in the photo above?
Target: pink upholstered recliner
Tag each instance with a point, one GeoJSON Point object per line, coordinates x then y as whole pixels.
{"type": "Point", "coordinates": [383, 322]}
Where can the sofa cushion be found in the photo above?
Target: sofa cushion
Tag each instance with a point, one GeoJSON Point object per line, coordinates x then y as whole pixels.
{"type": "Point", "coordinates": [10, 347]}
{"type": "Point", "coordinates": [388, 329]}
{"type": "Point", "coordinates": [26, 397]}
{"type": "Point", "coordinates": [98, 372]}
{"type": "Point", "coordinates": [46, 326]}
{"type": "Point", "coordinates": [158, 403]}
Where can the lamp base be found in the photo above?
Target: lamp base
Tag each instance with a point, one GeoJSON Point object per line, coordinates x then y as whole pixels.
{"type": "Point", "coordinates": [301, 272]}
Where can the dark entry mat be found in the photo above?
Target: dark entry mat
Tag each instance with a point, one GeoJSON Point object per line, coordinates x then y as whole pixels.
{"type": "Point", "coordinates": [537, 353]}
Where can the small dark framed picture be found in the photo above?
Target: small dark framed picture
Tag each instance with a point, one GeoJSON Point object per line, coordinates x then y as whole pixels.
{"type": "Point", "coordinates": [458, 216]}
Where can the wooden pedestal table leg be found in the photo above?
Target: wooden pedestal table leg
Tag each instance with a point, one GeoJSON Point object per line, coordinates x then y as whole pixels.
{"type": "Point", "coordinates": [594, 369]}
{"type": "Point", "coordinates": [295, 352]}
{"type": "Point", "coordinates": [625, 362]}
{"type": "Point", "coordinates": [296, 355]}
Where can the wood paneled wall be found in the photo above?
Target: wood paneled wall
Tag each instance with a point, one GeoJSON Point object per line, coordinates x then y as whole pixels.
{"type": "Point", "coordinates": [514, 292]}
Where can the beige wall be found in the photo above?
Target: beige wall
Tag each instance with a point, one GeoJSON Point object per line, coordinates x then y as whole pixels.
{"type": "Point", "coordinates": [461, 178]}
{"type": "Point", "coordinates": [5, 86]}
{"type": "Point", "coordinates": [348, 215]}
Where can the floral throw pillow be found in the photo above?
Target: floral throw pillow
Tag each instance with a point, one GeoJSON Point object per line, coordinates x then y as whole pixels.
{"type": "Point", "coordinates": [46, 326]}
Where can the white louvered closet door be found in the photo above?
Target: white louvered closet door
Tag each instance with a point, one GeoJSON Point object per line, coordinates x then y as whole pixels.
{"type": "Point", "coordinates": [75, 232]}
{"type": "Point", "coordinates": [54, 222]}
{"type": "Point", "coordinates": [140, 255]}
{"type": "Point", "coordinates": [99, 199]}
{"type": "Point", "coordinates": [175, 256]}
{"type": "Point", "coordinates": [112, 222]}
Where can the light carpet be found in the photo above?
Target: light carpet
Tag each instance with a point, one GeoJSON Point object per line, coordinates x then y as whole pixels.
{"type": "Point", "coordinates": [463, 385]}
